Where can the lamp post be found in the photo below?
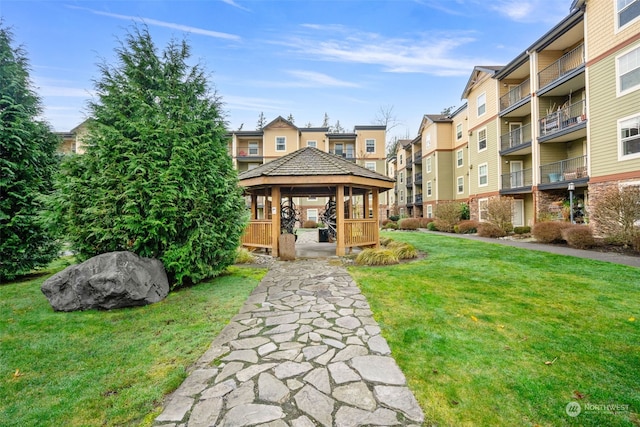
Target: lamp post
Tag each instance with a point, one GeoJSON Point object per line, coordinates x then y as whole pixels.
{"type": "Point", "coordinates": [572, 187]}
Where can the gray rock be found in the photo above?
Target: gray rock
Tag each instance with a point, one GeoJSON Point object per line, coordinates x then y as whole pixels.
{"type": "Point", "coordinates": [247, 343]}
{"type": "Point", "coordinates": [353, 417]}
{"type": "Point", "coordinates": [381, 369]}
{"type": "Point", "coordinates": [291, 369]}
{"type": "Point", "coordinates": [316, 404]}
{"type": "Point", "coordinates": [176, 409]}
{"type": "Point", "coordinates": [341, 373]}
{"type": "Point", "coordinates": [205, 413]}
{"type": "Point", "coordinates": [252, 371]}
{"type": "Point", "coordinates": [107, 281]}
{"type": "Point", "coordinates": [282, 319]}
{"type": "Point", "coordinates": [314, 351]}
{"type": "Point", "coordinates": [319, 378]}
{"type": "Point", "coordinates": [267, 348]}
{"type": "Point", "coordinates": [349, 352]}
{"type": "Point", "coordinates": [196, 382]}
{"type": "Point", "coordinates": [219, 390]}
{"type": "Point", "coordinates": [228, 370]}
{"type": "Point", "coordinates": [271, 389]}
{"type": "Point", "coordinates": [400, 398]}
{"type": "Point", "coordinates": [333, 343]}
{"type": "Point", "coordinates": [356, 394]}
{"type": "Point", "coordinates": [250, 414]}
{"type": "Point", "coordinates": [242, 355]}
{"type": "Point", "coordinates": [241, 396]}
{"type": "Point", "coordinates": [326, 357]}
{"type": "Point", "coordinates": [302, 421]}
{"type": "Point", "coordinates": [348, 322]}
{"type": "Point", "coordinates": [378, 344]}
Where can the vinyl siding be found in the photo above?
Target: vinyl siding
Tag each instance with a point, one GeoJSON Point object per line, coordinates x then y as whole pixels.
{"type": "Point", "coordinates": [602, 33]}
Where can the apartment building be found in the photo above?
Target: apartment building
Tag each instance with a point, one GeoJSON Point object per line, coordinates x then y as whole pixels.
{"type": "Point", "coordinates": [562, 117]}
{"type": "Point", "coordinates": [365, 146]}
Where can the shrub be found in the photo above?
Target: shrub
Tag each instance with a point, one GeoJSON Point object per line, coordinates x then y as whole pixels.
{"type": "Point", "coordinates": [549, 231]}
{"type": "Point", "coordinates": [432, 226]}
{"type": "Point", "coordinates": [384, 241]}
{"type": "Point", "coordinates": [578, 236]}
{"type": "Point", "coordinates": [615, 212]}
{"type": "Point", "coordinates": [489, 229]}
{"type": "Point", "coordinates": [409, 224]}
{"type": "Point", "coordinates": [309, 224]}
{"type": "Point", "coordinates": [467, 227]}
{"type": "Point", "coordinates": [394, 218]}
{"type": "Point", "coordinates": [500, 212]}
{"type": "Point", "coordinates": [447, 215]}
{"type": "Point", "coordinates": [522, 230]}
{"type": "Point", "coordinates": [404, 251]}
{"type": "Point", "coordinates": [635, 243]}
{"type": "Point", "coordinates": [465, 213]}
{"type": "Point", "coordinates": [424, 222]}
{"type": "Point", "coordinates": [243, 256]}
{"type": "Point", "coordinates": [385, 222]}
{"type": "Point", "coordinates": [390, 226]}
{"type": "Point", "coordinates": [377, 257]}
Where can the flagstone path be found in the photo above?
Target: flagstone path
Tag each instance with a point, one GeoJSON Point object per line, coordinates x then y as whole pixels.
{"type": "Point", "coordinates": [303, 351]}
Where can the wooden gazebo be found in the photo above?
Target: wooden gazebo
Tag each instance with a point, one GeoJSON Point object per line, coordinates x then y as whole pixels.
{"type": "Point", "coordinates": [309, 172]}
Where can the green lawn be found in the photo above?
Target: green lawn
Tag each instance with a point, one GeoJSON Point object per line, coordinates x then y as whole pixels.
{"type": "Point", "coordinates": [97, 368]}
{"type": "Point", "coordinates": [473, 324]}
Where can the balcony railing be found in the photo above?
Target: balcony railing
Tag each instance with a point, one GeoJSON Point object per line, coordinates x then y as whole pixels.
{"type": "Point", "coordinates": [567, 63]}
{"type": "Point", "coordinates": [348, 155]}
{"type": "Point", "coordinates": [418, 198]}
{"type": "Point", "coordinates": [417, 157]}
{"type": "Point", "coordinates": [519, 179]}
{"type": "Point", "coordinates": [409, 165]}
{"type": "Point", "coordinates": [516, 137]}
{"type": "Point", "coordinates": [419, 178]}
{"type": "Point", "coordinates": [563, 119]}
{"type": "Point", "coordinates": [515, 95]}
{"type": "Point", "coordinates": [409, 181]}
{"type": "Point", "coordinates": [565, 170]}
{"type": "Point", "coordinates": [249, 152]}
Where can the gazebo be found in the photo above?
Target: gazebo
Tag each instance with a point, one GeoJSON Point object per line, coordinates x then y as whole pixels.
{"type": "Point", "coordinates": [309, 172]}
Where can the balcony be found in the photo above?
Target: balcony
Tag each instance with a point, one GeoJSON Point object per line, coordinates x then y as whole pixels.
{"type": "Point", "coordinates": [417, 157]}
{"type": "Point", "coordinates": [409, 199]}
{"type": "Point", "coordinates": [557, 174]}
{"type": "Point", "coordinates": [409, 165]}
{"type": "Point", "coordinates": [515, 95]}
{"type": "Point", "coordinates": [515, 182]}
{"type": "Point", "coordinates": [419, 179]}
{"type": "Point", "coordinates": [515, 140]}
{"type": "Point", "coordinates": [246, 154]}
{"type": "Point", "coordinates": [347, 155]}
{"type": "Point", "coordinates": [564, 122]}
{"type": "Point", "coordinates": [409, 181]}
{"type": "Point", "coordinates": [419, 198]}
{"type": "Point", "coordinates": [562, 67]}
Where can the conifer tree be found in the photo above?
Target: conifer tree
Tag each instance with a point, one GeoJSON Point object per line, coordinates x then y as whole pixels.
{"type": "Point", "coordinates": [156, 178]}
{"type": "Point", "coordinates": [27, 162]}
{"type": "Point", "coordinates": [262, 121]}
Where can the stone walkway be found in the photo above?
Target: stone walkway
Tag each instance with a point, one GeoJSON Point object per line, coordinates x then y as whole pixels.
{"type": "Point", "coordinates": [303, 351]}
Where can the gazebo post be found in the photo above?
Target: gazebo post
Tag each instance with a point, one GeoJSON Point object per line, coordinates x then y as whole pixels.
{"type": "Point", "coordinates": [275, 219]}
{"type": "Point", "coordinates": [340, 250]}
{"type": "Point", "coordinates": [376, 208]}
{"type": "Point", "coordinates": [365, 205]}
{"type": "Point", "coordinates": [254, 206]}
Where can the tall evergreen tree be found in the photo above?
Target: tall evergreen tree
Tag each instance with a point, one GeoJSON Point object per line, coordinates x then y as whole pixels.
{"type": "Point", "coordinates": [27, 162]}
{"type": "Point", "coordinates": [325, 121]}
{"type": "Point", "coordinates": [290, 118]}
{"type": "Point", "coordinates": [156, 179]}
{"type": "Point", "coordinates": [262, 121]}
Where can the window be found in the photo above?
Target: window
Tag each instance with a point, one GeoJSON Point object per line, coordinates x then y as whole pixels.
{"type": "Point", "coordinates": [312, 215]}
{"type": "Point", "coordinates": [482, 104]}
{"type": "Point", "coordinates": [370, 145]}
{"type": "Point", "coordinates": [281, 143]}
{"type": "Point", "coordinates": [629, 134]}
{"type": "Point", "coordinates": [401, 174]}
{"type": "Point", "coordinates": [460, 184]}
{"type": "Point", "coordinates": [459, 158]}
{"type": "Point", "coordinates": [313, 144]}
{"type": "Point", "coordinates": [627, 11]}
{"type": "Point", "coordinates": [427, 141]}
{"type": "Point", "coordinates": [483, 209]}
{"type": "Point", "coordinates": [628, 71]}
{"type": "Point", "coordinates": [400, 158]}
{"type": "Point", "coordinates": [428, 165]}
{"type": "Point", "coordinates": [312, 198]}
{"type": "Point", "coordinates": [482, 139]}
{"type": "Point", "coordinates": [429, 211]}
{"type": "Point", "coordinates": [370, 165]}
{"type": "Point", "coordinates": [483, 175]}
{"type": "Point", "coordinates": [459, 131]}
{"type": "Point", "coordinates": [338, 149]}
{"type": "Point", "coordinates": [429, 189]}
{"type": "Point", "coordinates": [402, 196]}
{"type": "Point", "coordinates": [253, 149]}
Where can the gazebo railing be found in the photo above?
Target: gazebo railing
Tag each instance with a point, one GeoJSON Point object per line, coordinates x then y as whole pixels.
{"type": "Point", "coordinates": [258, 234]}
{"type": "Point", "coordinates": [359, 232]}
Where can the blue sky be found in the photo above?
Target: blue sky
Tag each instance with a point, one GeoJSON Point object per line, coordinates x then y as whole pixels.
{"type": "Point", "coordinates": [348, 58]}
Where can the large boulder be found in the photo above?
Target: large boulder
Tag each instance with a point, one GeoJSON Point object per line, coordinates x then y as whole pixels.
{"type": "Point", "coordinates": [111, 280]}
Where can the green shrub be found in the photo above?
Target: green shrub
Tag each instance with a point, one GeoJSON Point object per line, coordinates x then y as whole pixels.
{"type": "Point", "coordinates": [243, 256]}
{"type": "Point", "coordinates": [394, 218]}
{"type": "Point", "coordinates": [522, 230]}
{"type": "Point", "coordinates": [390, 226]}
{"type": "Point", "coordinates": [409, 224]}
{"type": "Point", "coordinates": [467, 227]}
{"type": "Point", "coordinates": [404, 251]}
{"type": "Point", "coordinates": [309, 224]}
{"type": "Point", "coordinates": [465, 213]}
{"type": "Point", "coordinates": [432, 226]}
{"type": "Point", "coordinates": [578, 236]}
{"type": "Point", "coordinates": [549, 231]}
{"type": "Point", "coordinates": [489, 229]}
{"type": "Point", "coordinates": [424, 222]}
{"type": "Point", "coordinates": [377, 257]}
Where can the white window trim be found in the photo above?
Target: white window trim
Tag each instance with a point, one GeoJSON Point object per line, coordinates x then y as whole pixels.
{"type": "Point", "coordinates": [480, 201]}
{"type": "Point", "coordinates": [429, 211]}
{"type": "Point", "coordinates": [461, 158]}
{"type": "Point", "coordinates": [315, 143]}
{"type": "Point", "coordinates": [478, 104]}
{"type": "Point", "coordinates": [622, 157]}
{"type": "Point", "coordinates": [459, 125]}
{"type": "Point", "coordinates": [427, 163]}
{"type": "Point", "coordinates": [427, 141]}
{"type": "Point", "coordinates": [620, 92]}
{"type": "Point", "coordinates": [315, 211]}
{"type": "Point", "coordinates": [486, 139]}
{"type": "Point", "coordinates": [366, 149]}
{"type": "Point", "coordinates": [429, 189]}
{"type": "Point", "coordinates": [285, 143]}
{"type": "Point", "coordinates": [367, 164]}
{"type": "Point", "coordinates": [616, 19]}
{"type": "Point", "coordinates": [458, 185]}
{"type": "Point", "coordinates": [479, 167]}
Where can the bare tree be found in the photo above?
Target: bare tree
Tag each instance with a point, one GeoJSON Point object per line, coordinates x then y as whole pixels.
{"type": "Point", "coordinates": [385, 116]}
{"type": "Point", "coordinates": [337, 128]}
{"type": "Point", "coordinates": [447, 111]}
{"type": "Point", "coordinates": [262, 121]}
{"type": "Point", "coordinates": [325, 122]}
{"type": "Point", "coordinates": [308, 125]}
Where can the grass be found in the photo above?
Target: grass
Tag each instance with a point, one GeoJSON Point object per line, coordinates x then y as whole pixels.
{"type": "Point", "coordinates": [473, 324]}
{"type": "Point", "coordinates": [95, 368]}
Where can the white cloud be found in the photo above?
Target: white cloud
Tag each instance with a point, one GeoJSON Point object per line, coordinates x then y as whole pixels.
{"type": "Point", "coordinates": [155, 22]}
{"type": "Point", "coordinates": [252, 103]}
{"type": "Point", "coordinates": [530, 10]}
{"type": "Point", "coordinates": [234, 4]}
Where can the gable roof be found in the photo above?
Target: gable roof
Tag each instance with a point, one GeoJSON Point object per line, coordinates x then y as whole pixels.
{"type": "Point", "coordinates": [310, 161]}
{"type": "Point", "coordinates": [488, 69]}
{"type": "Point", "coordinates": [280, 119]}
